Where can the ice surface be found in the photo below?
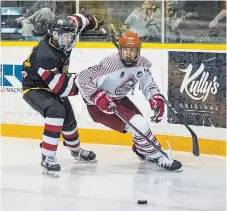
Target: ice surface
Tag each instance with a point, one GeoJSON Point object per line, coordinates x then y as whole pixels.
{"type": "Point", "coordinates": [116, 182]}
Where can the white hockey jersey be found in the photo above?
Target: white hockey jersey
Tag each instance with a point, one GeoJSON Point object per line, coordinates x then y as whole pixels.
{"type": "Point", "coordinates": [111, 76]}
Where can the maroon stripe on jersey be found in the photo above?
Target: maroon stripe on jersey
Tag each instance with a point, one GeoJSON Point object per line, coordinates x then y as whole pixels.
{"type": "Point", "coordinates": [153, 140]}
{"type": "Point", "coordinates": [148, 151]}
{"type": "Point", "coordinates": [73, 146]}
{"type": "Point", "coordinates": [49, 146]}
{"type": "Point", "coordinates": [143, 145]}
{"type": "Point", "coordinates": [53, 128]}
{"type": "Point", "coordinates": [146, 145]}
{"type": "Point", "coordinates": [147, 134]}
{"type": "Point", "coordinates": [73, 90]}
{"type": "Point", "coordinates": [45, 75]}
{"type": "Point", "coordinates": [59, 84]}
{"type": "Point", "coordinates": [74, 135]}
{"type": "Point", "coordinates": [141, 138]}
{"type": "Point", "coordinates": [141, 149]}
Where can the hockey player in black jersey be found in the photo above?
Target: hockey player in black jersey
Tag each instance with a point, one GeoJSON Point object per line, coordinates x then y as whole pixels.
{"type": "Point", "coordinates": [47, 93]}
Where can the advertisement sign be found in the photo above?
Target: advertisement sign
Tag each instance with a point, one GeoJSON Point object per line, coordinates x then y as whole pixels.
{"type": "Point", "coordinates": [11, 78]}
{"type": "Point", "coordinates": [197, 88]}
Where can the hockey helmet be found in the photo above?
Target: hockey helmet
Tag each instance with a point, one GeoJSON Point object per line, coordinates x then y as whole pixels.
{"type": "Point", "coordinates": [63, 33]}
{"type": "Point", "coordinates": [130, 45]}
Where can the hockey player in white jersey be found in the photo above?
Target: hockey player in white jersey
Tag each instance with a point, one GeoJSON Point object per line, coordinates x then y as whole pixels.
{"type": "Point", "coordinates": [108, 83]}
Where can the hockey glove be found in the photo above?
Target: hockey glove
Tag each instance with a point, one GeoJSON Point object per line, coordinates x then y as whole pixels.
{"type": "Point", "coordinates": [95, 22]}
{"type": "Point", "coordinates": [157, 104]}
{"type": "Point", "coordinates": [103, 102]}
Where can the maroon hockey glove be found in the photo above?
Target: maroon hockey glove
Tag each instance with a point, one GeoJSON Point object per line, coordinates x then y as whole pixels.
{"type": "Point", "coordinates": [103, 101]}
{"type": "Point", "coordinates": [74, 21]}
{"type": "Point", "coordinates": [157, 104]}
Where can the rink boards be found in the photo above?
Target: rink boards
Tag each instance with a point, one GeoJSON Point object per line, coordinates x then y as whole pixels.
{"type": "Point", "coordinates": [199, 95]}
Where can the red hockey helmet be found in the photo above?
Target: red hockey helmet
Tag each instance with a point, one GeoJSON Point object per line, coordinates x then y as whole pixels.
{"type": "Point", "coordinates": [130, 40]}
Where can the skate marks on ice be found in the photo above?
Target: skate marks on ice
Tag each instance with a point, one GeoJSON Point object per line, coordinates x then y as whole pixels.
{"type": "Point", "coordinates": [116, 182]}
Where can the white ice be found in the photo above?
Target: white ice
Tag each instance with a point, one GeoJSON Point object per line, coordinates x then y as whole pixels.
{"type": "Point", "coordinates": [116, 182]}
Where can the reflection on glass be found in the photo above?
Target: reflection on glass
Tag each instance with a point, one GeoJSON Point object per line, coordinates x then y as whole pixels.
{"type": "Point", "coordinates": [195, 21]}
{"type": "Point", "coordinates": [184, 21]}
{"type": "Point", "coordinates": [145, 20]}
{"type": "Point", "coordinates": [27, 20]}
{"type": "Point", "coordinates": [142, 17]}
{"type": "Point", "coordinates": [98, 8]}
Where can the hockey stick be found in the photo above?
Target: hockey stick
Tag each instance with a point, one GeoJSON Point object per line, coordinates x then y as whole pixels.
{"type": "Point", "coordinates": [110, 37]}
{"type": "Point", "coordinates": [138, 131]}
{"type": "Point", "coordinates": [195, 144]}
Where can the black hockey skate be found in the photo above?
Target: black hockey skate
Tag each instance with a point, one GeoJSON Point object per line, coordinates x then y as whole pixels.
{"type": "Point", "coordinates": [162, 162]}
{"type": "Point", "coordinates": [50, 166]}
{"type": "Point", "coordinates": [83, 155]}
{"type": "Point", "coordinates": [168, 163]}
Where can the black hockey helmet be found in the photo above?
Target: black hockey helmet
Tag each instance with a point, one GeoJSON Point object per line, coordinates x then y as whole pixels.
{"type": "Point", "coordinates": [63, 33]}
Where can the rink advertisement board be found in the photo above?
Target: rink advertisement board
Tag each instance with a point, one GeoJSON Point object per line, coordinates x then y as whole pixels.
{"type": "Point", "coordinates": [15, 111]}
{"type": "Point", "coordinates": [11, 78]}
{"type": "Point", "coordinates": [197, 88]}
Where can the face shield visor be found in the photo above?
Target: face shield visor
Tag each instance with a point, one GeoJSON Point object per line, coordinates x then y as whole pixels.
{"type": "Point", "coordinates": [65, 38]}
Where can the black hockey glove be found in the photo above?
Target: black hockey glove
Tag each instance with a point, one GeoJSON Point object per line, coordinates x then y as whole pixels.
{"type": "Point", "coordinates": [95, 22]}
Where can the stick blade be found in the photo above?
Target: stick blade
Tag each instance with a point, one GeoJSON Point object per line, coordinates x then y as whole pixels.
{"type": "Point", "coordinates": [195, 145]}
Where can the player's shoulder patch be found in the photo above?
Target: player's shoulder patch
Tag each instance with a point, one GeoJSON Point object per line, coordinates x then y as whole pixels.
{"type": "Point", "coordinates": [144, 62]}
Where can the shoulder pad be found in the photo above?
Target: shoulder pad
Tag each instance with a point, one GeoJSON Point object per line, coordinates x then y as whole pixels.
{"type": "Point", "coordinates": [144, 62]}
{"type": "Point", "coordinates": [112, 62]}
{"type": "Point", "coordinates": [46, 58]}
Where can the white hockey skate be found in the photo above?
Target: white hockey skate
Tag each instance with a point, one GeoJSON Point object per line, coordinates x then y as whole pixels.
{"type": "Point", "coordinates": [50, 166]}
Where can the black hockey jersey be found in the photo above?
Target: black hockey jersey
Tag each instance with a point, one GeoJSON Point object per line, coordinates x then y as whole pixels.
{"type": "Point", "coordinates": [46, 56]}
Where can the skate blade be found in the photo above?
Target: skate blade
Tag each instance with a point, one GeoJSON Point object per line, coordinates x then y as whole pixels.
{"type": "Point", "coordinates": [51, 174]}
{"type": "Point", "coordinates": [164, 170]}
{"type": "Point", "coordinates": [81, 160]}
